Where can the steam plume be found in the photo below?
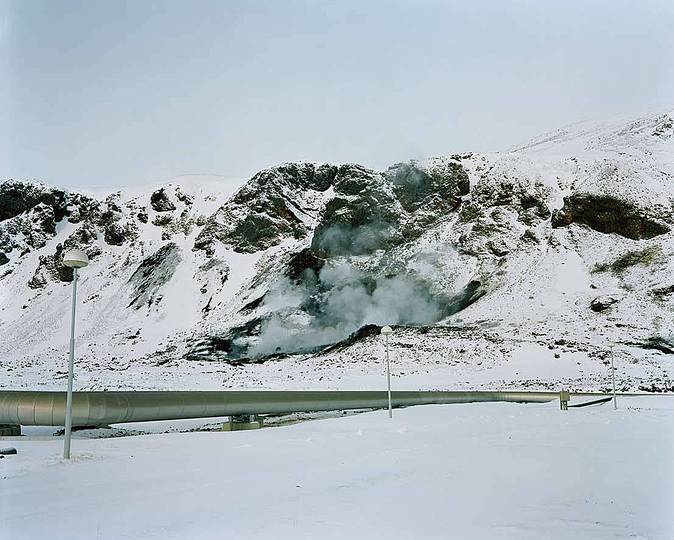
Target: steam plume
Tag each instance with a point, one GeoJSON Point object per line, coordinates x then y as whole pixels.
{"type": "Point", "coordinates": [329, 307]}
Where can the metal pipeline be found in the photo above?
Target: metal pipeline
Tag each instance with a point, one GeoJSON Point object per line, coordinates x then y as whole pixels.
{"type": "Point", "coordinates": [38, 408]}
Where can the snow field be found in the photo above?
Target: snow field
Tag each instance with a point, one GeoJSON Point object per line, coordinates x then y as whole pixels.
{"type": "Point", "coordinates": [492, 471]}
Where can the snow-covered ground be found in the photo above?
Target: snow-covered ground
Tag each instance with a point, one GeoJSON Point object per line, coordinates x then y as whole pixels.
{"type": "Point", "coordinates": [487, 471]}
{"type": "Point", "coordinates": [434, 362]}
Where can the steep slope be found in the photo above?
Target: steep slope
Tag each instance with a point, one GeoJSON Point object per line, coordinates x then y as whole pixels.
{"type": "Point", "coordinates": [516, 269]}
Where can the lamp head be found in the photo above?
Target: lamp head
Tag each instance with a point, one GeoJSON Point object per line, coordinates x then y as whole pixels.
{"type": "Point", "coordinates": [75, 258]}
{"type": "Point", "coordinates": [386, 331]}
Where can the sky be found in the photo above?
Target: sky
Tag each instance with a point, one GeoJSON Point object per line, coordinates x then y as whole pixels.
{"type": "Point", "coordinates": [114, 93]}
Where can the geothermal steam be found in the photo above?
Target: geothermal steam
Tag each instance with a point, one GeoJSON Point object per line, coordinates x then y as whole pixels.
{"type": "Point", "coordinates": [329, 307]}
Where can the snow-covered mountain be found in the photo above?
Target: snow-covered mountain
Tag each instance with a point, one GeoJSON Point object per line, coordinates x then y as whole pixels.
{"type": "Point", "coordinates": [522, 268]}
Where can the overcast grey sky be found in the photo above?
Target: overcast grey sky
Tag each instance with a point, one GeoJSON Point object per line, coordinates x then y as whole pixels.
{"type": "Point", "coordinates": [106, 93]}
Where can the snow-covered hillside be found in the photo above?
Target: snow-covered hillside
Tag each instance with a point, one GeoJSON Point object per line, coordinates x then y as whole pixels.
{"type": "Point", "coordinates": [522, 269]}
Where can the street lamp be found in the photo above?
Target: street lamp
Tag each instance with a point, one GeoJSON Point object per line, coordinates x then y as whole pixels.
{"type": "Point", "coordinates": [386, 332]}
{"type": "Point", "coordinates": [615, 403]}
{"type": "Point", "coordinates": [74, 259]}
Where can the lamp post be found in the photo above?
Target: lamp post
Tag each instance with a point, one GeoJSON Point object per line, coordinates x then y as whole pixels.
{"type": "Point", "coordinates": [386, 332]}
{"type": "Point", "coordinates": [615, 402]}
{"type": "Point", "coordinates": [74, 259]}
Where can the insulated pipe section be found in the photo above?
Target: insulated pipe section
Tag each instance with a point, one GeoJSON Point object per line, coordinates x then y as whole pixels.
{"type": "Point", "coordinates": [103, 408]}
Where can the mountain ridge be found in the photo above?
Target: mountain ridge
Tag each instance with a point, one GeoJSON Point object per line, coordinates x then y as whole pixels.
{"type": "Point", "coordinates": [504, 256]}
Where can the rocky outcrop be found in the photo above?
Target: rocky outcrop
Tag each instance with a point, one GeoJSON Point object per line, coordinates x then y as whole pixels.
{"type": "Point", "coordinates": [368, 212]}
{"type": "Point", "coordinates": [230, 347]}
{"type": "Point", "coordinates": [28, 215]}
{"type": "Point", "coordinates": [118, 228]}
{"type": "Point", "coordinates": [528, 198]}
{"type": "Point", "coordinates": [647, 256]}
{"type": "Point", "coordinates": [608, 214]}
{"type": "Point", "coordinates": [662, 292]}
{"type": "Point", "coordinates": [272, 206]}
{"type": "Point", "coordinates": [160, 202]}
{"type": "Point", "coordinates": [51, 267]}
{"type": "Point", "coordinates": [19, 197]}
{"type": "Point", "coordinates": [152, 273]}
{"type": "Point", "coordinates": [361, 218]}
{"type": "Point", "coordinates": [602, 303]}
{"type": "Point", "coordinates": [301, 263]}
{"type": "Point", "coordinates": [664, 127]}
{"type": "Point", "coordinates": [440, 187]}
{"type": "Point", "coordinates": [83, 208]}
{"type": "Point", "coordinates": [28, 231]}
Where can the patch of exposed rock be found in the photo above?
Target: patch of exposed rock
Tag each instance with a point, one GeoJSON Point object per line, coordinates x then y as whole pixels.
{"type": "Point", "coordinates": [51, 267]}
{"type": "Point", "coordinates": [502, 214]}
{"type": "Point", "coordinates": [152, 273]}
{"type": "Point", "coordinates": [18, 197]}
{"type": "Point", "coordinates": [302, 262]}
{"type": "Point", "coordinates": [439, 187]}
{"type": "Point", "coordinates": [161, 202]}
{"type": "Point", "coordinates": [362, 217]}
{"type": "Point", "coordinates": [117, 228]}
{"type": "Point", "coordinates": [608, 214]}
{"type": "Point", "coordinates": [272, 206]}
{"type": "Point", "coordinates": [602, 303]}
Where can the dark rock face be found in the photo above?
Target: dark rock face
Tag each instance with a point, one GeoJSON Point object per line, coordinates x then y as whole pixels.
{"type": "Point", "coordinates": [608, 214]}
{"type": "Point", "coordinates": [267, 209]}
{"type": "Point", "coordinates": [664, 128]}
{"type": "Point", "coordinates": [115, 234]}
{"type": "Point", "coordinates": [229, 347]}
{"type": "Point", "coordinates": [3, 258]}
{"type": "Point", "coordinates": [267, 223]}
{"type": "Point", "coordinates": [529, 198]}
{"type": "Point", "coordinates": [355, 227]}
{"type": "Point", "coordinates": [30, 213]}
{"type": "Point", "coordinates": [184, 197]}
{"type": "Point", "coordinates": [415, 187]}
{"type": "Point", "coordinates": [155, 271]}
{"type": "Point", "coordinates": [44, 219]}
{"type": "Point", "coordinates": [28, 231]}
{"type": "Point", "coordinates": [253, 304]}
{"type": "Point", "coordinates": [360, 219]}
{"type": "Point", "coordinates": [116, 229]}
{"type": "Point", "coordinates": [83, 208]}
{"type": "Point", "coordinates": [19, 197]}
{"type": "Point", "coordinates": [162, 219]}
{"type": "Point", "coordinates": [365, 214]}
{"type": "Point", "coordinates": [160, 201]}
{"type": "Point", "coordinates": [369, 330]}
{"type": "Point", "coordinates": [302, 262]}
{"type": "Point", "coordinates": [658, 343]}
{"type": "Point", "coordinates": [84, 238]}
{"type": "Point", "coordinates": [51, 267]}
{"type": "Point", "coordinates": [662, 292]}
{"type": "Point", "coordinates": [301, 175]}
{"type": "Point", "coordinates": [530, 236]}
{"type": "Point", "coordinates": [470, 294]}
{"type": "Point", "coordinates": [602, 303]}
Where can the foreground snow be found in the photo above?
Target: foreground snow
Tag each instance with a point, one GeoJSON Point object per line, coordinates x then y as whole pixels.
{"type": "Point", "coordinates": [459, 471]}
